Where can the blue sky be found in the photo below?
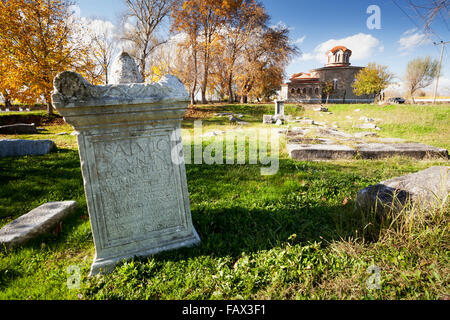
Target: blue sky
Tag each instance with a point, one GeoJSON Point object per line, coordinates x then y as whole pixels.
{"type": "Point", "coordinates": [317, 25]}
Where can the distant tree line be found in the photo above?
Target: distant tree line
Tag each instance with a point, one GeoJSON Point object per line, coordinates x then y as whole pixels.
{"type": "Point", "coordinates": [223, 48]}
{"type": "Point", "coordinates": [226, 47]}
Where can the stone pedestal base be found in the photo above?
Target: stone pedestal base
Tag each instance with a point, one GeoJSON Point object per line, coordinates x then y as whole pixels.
{"type": "Point", "coordinates": [107, 265]}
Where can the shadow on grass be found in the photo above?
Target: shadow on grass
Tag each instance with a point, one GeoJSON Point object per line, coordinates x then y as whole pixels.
{"type": "Point", "coordinates": [284, 210]}
{"type": "Point", "coordinates": [28, 182]}
{"type": "Point", "coordinates": [234, 208]}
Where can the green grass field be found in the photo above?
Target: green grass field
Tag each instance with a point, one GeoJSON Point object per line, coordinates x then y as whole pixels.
{"type": "Point", "coordinates": [294, 235]}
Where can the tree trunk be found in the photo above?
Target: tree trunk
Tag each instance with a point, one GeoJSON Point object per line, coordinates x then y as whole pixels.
{"type": "Point", "coordinates": [50, 108]}
{"type": "Point", "coordinates": [8, 102]}
{"type": "Point", "coordinates": [106, 76]}
{"type": "Point", "coordinates": [7, 99]}
{"type": "Point", "coordinates": [230, 89]}
{"type": "Point", "coordinates": [192, 96]}
{"type": "Point", "coordinates": [205, 85]}
{"type": "Point", "coordinates": [48, 100]}
{"type": "Point", "coordinates": [143, 66]}
{"type": "Point", "coordinates": [194, 86]}
{"type": "Point", "coordinates": [204, 101]}
{"type": "Point", "coordinates": [244, 99]}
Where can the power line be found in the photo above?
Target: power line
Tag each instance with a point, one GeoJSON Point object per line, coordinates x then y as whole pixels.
{"type": "Point", "coordinates": [430, 17]}
{"type": "Point", "coordinates": [413, 21]}
{"type": "Point", "coordinates": [406, 14]}
{"type": "Point", "coordinates": [442, 43]}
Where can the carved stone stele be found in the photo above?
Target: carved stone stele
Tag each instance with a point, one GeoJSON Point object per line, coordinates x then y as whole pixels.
{"type": "Point", "coordinates": [124, 70]}
{"type": "Point", "coordinates": [130, 149]}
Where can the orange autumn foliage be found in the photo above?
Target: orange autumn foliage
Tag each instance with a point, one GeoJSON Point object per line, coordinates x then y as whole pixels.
{"type": "Point", "coordinates": [36, 43]}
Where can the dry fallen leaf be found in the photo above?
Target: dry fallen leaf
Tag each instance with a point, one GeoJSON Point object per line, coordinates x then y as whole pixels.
{"type": "Point", "coordinates": [345, 202]}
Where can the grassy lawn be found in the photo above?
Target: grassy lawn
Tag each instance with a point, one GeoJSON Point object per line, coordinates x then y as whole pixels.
{"type": "Point", "coordinates": [293, 235]}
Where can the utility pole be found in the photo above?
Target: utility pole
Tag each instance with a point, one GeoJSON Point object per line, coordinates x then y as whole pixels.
{"type": "Point", "coordinates": [442, 43]}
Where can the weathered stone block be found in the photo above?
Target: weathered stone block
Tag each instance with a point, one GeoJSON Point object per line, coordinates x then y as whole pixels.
{"type": "Point", "coordinates": [279, 108]}
{"type": "Point", "coordinates": [132, 163]}
{"type": "Point", "coordinates": [302, 140]}
{"type": "Point", "coordinates": [125, 71]}
{"type": "Point", "coordinates": [423, 190]}
{"type": "Point", "coordinates": [20, 148]}
{"type": "Point", "coordinates": [412, 150]}
{"type": "Point", "coordinates": [320, 152]}
{"type": "Point", "coordinates": [360, 135]}
{"type": "Point", "coordinates": [35, 223]}
{"type": "Point", "coordinates": [367, 126]}
{"type": "Point", "coordinates": [334, 133]}
{"type": "Point", "coordinates": [268, 119]}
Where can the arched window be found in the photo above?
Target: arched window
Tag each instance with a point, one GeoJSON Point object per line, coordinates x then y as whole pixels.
{"type": "Point", "coordinates": [316, 91]}
{"type": "Point", "coordinates": [292, 90]}
{"type": "Point", "coordinates": [335, 84]}
{"type": "Point", "coordinates": [299, 91]}
{"type": "Point", "coordinates": [310, 91]}
{"type": "Point", "coordinates": [304, 90]}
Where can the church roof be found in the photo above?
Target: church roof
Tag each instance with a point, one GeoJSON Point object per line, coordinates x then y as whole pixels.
{"type": "Point", "coordinates": [302, 76]}
{"type": "Point", "coordinates": [337, 48]}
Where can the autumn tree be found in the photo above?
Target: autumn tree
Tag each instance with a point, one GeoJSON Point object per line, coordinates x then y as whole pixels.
{"type": "Point", "coordinates": [219, 76]}
{"type": "Point", "coordinates": [267, 52]}
{"type": "Point", "coordinates": [232, 49]}
{"type": "Point", "coordinates": [142, 20]}
{"type": "Point", "coordinates": [102, 40]}
{"type": "Point", "coordinates": [420, 73]}
{"type": "Point", "coordinates": [372, 80]}
{"type": "Point", "coordinates": [211, 20]}
{"type": "Point", "coordinates": [186, 69]}
{"type": "Point", "coordinates": [201, 19]}
{"type": "Point", "coordinates": [38, 35]}
{"type": "Point", "coordinates": [161, 63]}
{"type": "Point", "coordinates": [328, 89]}
{"type": "Point", "coordinates": [241, 19]}
{"type": "Point", "coordinates": [9, 84]}
{"type": "Point", "coordinates": [186, 20]}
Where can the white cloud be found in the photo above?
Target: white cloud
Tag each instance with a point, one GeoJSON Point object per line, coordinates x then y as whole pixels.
{"type": "Point", "coordinates": [410, 31]}
{"type": "Point", "coordinates": [444, 86]}
{"type": "Point", "coordinates": [87, 28]}
{"type": "Point", "coordinates": [362, 45]}
{"type": "Point", "coordinates": [299, 41]}
{"type": "Point", "coordinates": [282, 24]}
{"type": "Point", "coordinates": [306, 57]}
{"type": "Point", "coordinates": [412, 39]}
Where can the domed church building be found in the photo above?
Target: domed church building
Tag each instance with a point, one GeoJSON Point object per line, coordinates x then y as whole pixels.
{"type": "Point", "coordinates": [308, 87]}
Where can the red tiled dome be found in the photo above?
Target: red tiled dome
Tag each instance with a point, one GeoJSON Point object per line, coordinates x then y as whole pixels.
{"type": "Point", "coordinates": [337, 48]}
